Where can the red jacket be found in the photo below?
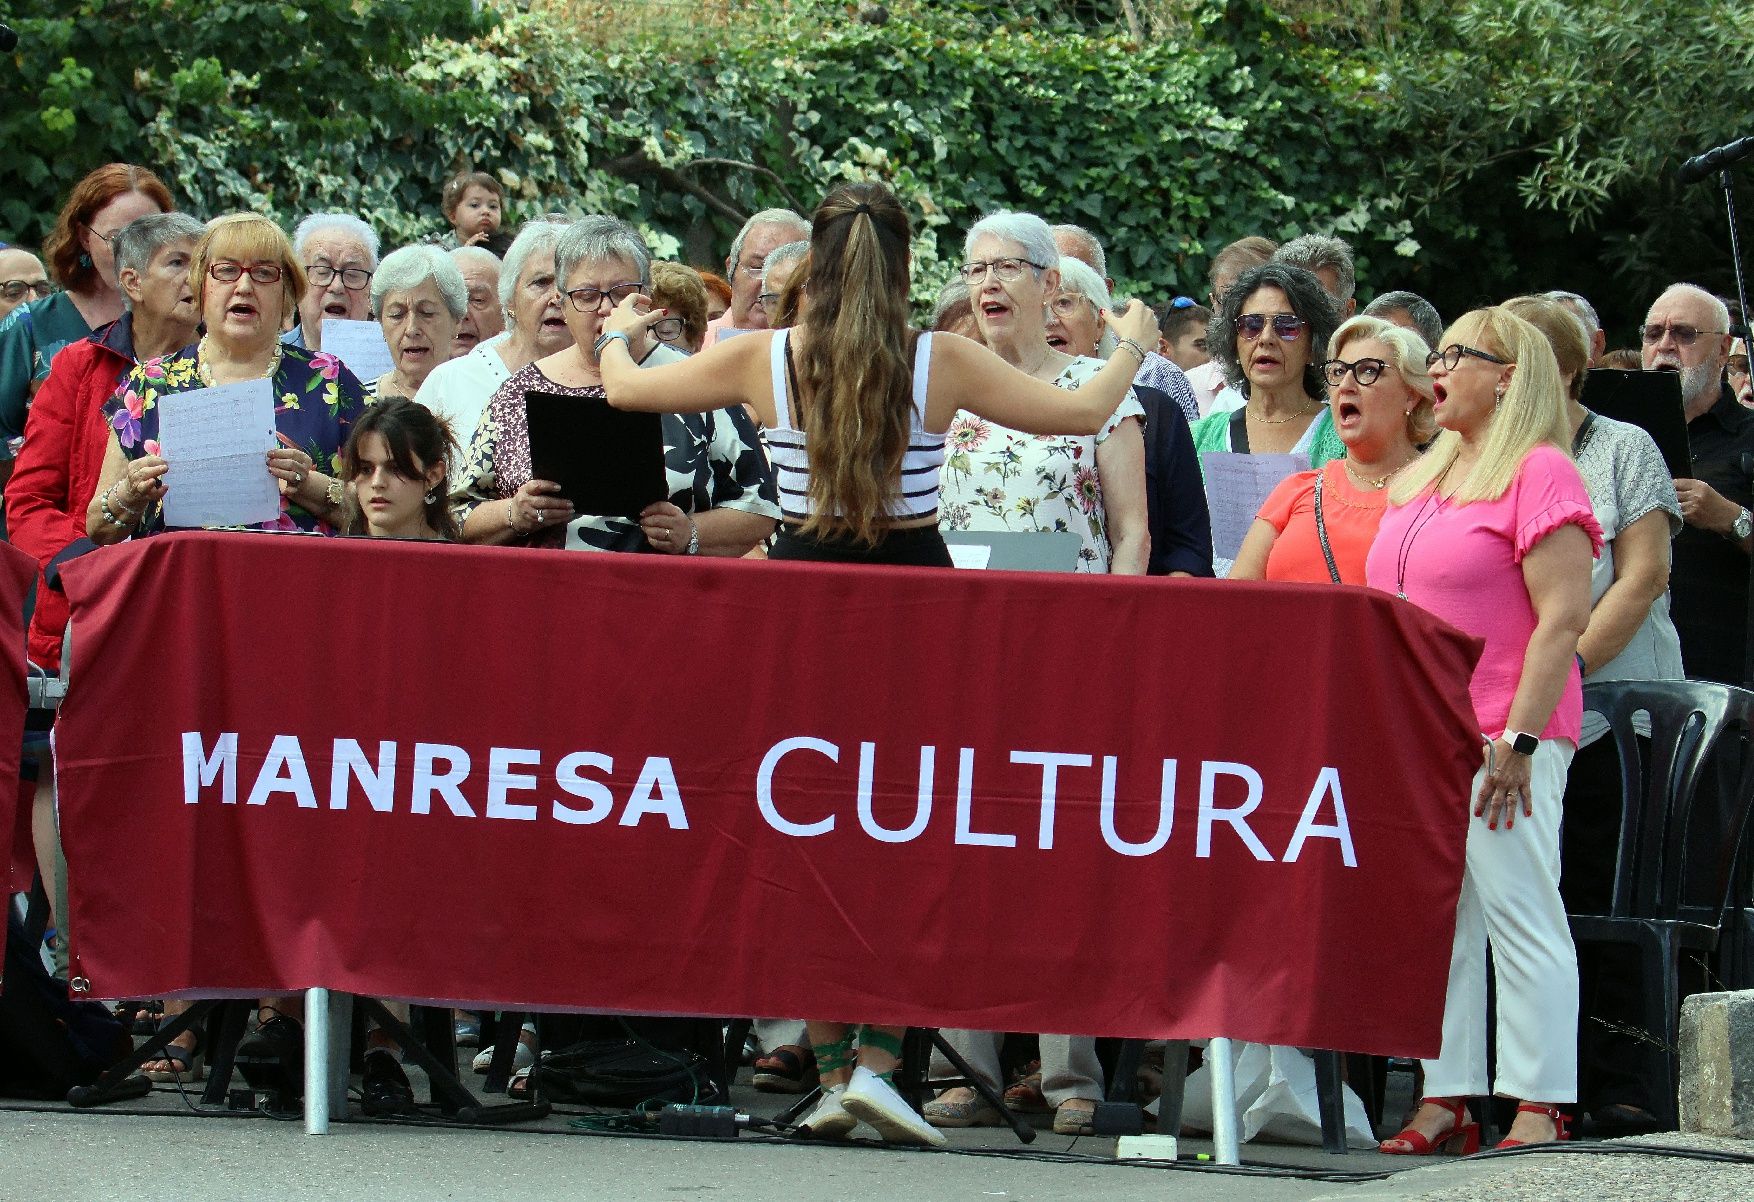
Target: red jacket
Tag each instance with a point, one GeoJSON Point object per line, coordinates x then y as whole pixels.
{"type": "Point", "coordinates": [58, 466]}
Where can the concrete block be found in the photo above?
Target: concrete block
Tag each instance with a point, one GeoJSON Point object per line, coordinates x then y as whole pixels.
{"type": "Point", "coordinates": [1717, 1064]}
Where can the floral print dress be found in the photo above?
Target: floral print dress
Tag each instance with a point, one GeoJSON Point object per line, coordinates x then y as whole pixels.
{"type": "Point", "coordinates": [996, 478]}
{"type": "Point", "coordinates": [316, 402]}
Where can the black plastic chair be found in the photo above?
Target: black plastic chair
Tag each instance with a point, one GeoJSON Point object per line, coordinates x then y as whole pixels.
{"type": "Point", "coordinates": [1675, 871]}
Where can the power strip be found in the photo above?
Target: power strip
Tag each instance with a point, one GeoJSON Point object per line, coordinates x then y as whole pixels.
{"type": "Point", "coordinates": [1145, 1147]}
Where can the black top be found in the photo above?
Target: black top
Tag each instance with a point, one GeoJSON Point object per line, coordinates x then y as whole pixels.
{"type": "Point", "coordinates": [1708, 584]}
{"type": "Point", "coordinates": [1175, 495]}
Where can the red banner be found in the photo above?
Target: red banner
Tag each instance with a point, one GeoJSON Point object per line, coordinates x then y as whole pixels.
{"type": "Point", "coordinates": [17, 862]}
{"type": "Point", "coordinates": [969, 799]}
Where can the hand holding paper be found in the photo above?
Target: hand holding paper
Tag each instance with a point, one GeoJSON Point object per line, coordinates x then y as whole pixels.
{"type": "Point", "coordinates": [215, 442]}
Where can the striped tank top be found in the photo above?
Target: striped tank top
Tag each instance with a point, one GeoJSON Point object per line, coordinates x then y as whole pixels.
{"type": "Point", "coordinates": [920, 466]}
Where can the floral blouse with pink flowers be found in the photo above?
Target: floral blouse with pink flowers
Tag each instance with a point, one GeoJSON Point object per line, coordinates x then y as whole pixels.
{"type": "Point", "coordinates": [316, 402]}
{"type": "Point", "coordinates": [996, 478]}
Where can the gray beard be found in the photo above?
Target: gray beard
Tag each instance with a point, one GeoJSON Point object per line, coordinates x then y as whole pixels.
{"type": "Point", "coordinates": [1696, 381]}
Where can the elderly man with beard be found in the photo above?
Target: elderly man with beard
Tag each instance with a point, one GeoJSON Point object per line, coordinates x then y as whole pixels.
{"type": "Point", "coordinates": [1687, 331]}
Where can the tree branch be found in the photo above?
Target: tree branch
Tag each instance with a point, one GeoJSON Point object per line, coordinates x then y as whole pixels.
{"type": "Point", "coordinates": [742, 166]}
{"type": "Point", "coordinates": [638, 166]}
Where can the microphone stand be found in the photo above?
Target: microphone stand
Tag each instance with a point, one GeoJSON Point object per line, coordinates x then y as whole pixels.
{"type": "Point", "coordinates": [1726, 180]}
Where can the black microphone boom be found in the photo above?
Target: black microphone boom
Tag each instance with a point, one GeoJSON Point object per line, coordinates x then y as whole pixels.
{"type": "Point", "coordinates": [8, 39]}
{"type": "Point", "coordinates": [1714, 160]}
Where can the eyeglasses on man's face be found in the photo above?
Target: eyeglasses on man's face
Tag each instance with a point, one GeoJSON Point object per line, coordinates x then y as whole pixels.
{"type": "Point", "coordinates": [1451, 357]}
{"type": "Point", "coordinates": [321, 275]}
{"type": "Point", "coordinates": [1682, 333]}
{"type": "Point", "coordinates": [227, 271]}
{"type": "Point", "coordinates": [587, 299]}
{"type": "Point", "coordinates": [1287, 327]}
{"type": "Point", "coordinates": [14, 290]}
{"type": "Point", "coordinates": [1365, 371]}
{"type": "Point", "coordinates": [1004, 270]}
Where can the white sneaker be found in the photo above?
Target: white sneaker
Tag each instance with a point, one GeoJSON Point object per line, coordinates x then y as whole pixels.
{"type": "Point", "coordinates": [829, 1120]}
{"type": "Point", "coordinates": [873, 1099]}
{"type": "Point", "coordinates": [522, 1058]}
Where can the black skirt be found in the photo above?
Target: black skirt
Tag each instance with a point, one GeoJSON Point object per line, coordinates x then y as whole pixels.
{"type": "Point", "coordinates": [914, 546]}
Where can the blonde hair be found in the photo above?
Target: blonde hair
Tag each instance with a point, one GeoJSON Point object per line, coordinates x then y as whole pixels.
{"type": "Point", "coordinates": [1407, 351]}
{"type": "Point", "coordinates": [1530, 413]}
{"type": "Point", "coordinates": [855, 365]}
{"type": "Point", "coordinates": [1564, 331]}
{"type": "Point", "coordinates": [244, 237]}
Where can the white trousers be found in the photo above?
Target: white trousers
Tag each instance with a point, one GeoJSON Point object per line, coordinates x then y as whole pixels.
{"type": "Point", "coordinates": [1069, 1067]}
{"type": "Point", "coordinates": [771, 1034]}
{"type": "Point", "coordinates": [1510, 900]}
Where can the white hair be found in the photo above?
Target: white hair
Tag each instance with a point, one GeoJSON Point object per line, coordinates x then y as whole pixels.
{"type": "Point", "coordinates": [779, 256]}
{"type": "Point", "coordinates": [1025, 229]}
{"type": "Point", "coordinates": [597, 238]}
{"type": "Point", "coordinates": [345, 223]}
{"type": "Point", "coordinates": [534, 238]}
{"type": "Point", "coordinates": [475, 256]}
{"type": "Point", "coordinates": [1081, 278]}
{"type": "Point", "coordinates": [785, 217]}
{"type": "Point", "coordinates": [144, 237]}
{"type": "Point", "coordinates": [1720, 312]}
{"type": "Point", "coordinates": [1091, 243]}
{"type": "Point", "coordinates": [407, 269]}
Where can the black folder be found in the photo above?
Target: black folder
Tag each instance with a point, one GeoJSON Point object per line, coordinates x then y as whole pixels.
{"type": "Point", "coordinates": [1650, 400]}
{"type": "Point", "coordinates": [607, 461]}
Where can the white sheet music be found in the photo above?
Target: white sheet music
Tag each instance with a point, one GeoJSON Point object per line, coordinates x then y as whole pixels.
{"type": "Point", "coordinates": [358, 344]}
{"type": "Point", "coordinates": [216, 441]}
{"type": "Point", "coordinates": [1236, 484]}
{"type": "Point", "coordinates": [970, 555]}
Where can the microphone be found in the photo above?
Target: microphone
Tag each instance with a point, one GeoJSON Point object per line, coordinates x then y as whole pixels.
{"type": "Point", "coordinates": [1718, 157]}
{"type": "Point", "coordinates": [8, 39]}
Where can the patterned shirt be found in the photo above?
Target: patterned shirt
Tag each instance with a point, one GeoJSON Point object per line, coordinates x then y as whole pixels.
{"type": "Point", "coordinates": [713, 461]}
{"type": "Point", "coordinates": [1159, 373]}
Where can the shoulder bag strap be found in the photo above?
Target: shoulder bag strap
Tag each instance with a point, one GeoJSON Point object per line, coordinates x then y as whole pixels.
{"type": "Point", "coordinates": [1322, 529]}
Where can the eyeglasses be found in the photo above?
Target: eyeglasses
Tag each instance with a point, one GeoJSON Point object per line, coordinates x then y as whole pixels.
{"type": "Point", "coordinates": [227, 272]}
{"type": "Point", "coordinates": [1731, 368]}
{"type": "Point", "coordinates": [1365, 371]}
{"type": "Point", "coordinates": [587, 299]}
{"type": "Point", "coordinates": [1451, 357]}
{"type": "Point", "coordinates": [14, 290]}
{"type": "Point", "coordinates": [1286, 326]}
{"type": "Point", "coordinates": [1684, 335]}
{"type": "Point", "coordinates": [1067, 304]}
{"type": "Point", "coordinates": [354, 279]}
{"type": "Point", "coordinates": [1004, 270]}
{"type": "Point", "coordinates": [767, 300]}
{"type": "Point", "coordinates": [667, 329]}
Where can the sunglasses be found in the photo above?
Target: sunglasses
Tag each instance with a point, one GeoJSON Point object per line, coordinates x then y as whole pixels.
{"type": "Point", "coordinates": [1286, 326]}
{"type": "Point", "coordinates": [1365, 371]}
{"type": "Point", "coordinates": [1684, 335]}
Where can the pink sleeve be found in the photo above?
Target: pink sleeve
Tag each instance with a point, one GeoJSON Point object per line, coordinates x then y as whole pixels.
{"type": "Point", "coordinates": [1277, 509]}
{"type": "Point", "coordinates": [1548, 493]}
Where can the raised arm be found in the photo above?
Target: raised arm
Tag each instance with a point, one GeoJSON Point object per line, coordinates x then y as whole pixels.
{"type": "Point", "coordinates": [733, 371]}
{"type": "Point", "coordinates": [968, 376]}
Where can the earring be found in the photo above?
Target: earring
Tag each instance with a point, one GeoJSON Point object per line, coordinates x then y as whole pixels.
{"type": "Point", "coordinates": [84, 259]}
{"type": "Point", "coordinates": [1498, 394]}
{"type": "Point", "coordinates": [431, 496]}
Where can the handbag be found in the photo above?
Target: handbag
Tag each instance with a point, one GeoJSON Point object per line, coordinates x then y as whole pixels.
{"type": "Point", "coordinates": [621, 1072]}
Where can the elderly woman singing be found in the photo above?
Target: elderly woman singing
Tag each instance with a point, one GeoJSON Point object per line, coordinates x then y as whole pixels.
{"type": "Point", "coordinates": [246, 280]}
{"type": "Point", "coordinates": [419, 296]}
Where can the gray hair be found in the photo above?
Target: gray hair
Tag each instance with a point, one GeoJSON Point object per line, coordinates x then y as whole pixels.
{"type": "Point", "coordinates": [1025, 229]}
{"type": "Point", "coordinates": [475, 256]}
{"type": "Point", "coordinates": [1422, 312]}
{"type": "Point", "coordinates": [1312, 252]}
{"type": "Point", "coordinates": [407, 269]}
{"type": "Point", "coordinates": [1309, 300]}
{"type": "Point", "coordinates": [1091, 243]}
{"type": "Point", "coordinates": [1081, 279]}
{"type": "Point", "coordinates": [145, 236]}
{"type": "Point", "coordinates": [953, 294]}
{"type": "Point", "coordinates": [781, 255]}
{"type": "Point", "coordinates": [535, 238]}
{"type": "Point", "coordinates": [783, 217]}
{"type": "Point", "coordinates": [596, 238]}
{"type": "Point", "coordinates": [345, 223]}
{"type": "Point", "coordinates": [1582, 310]}
{"type": "Point", "coordinates": [1720, 312]}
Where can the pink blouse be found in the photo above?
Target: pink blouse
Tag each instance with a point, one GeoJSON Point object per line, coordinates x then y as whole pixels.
{"type": "Point", "coordinates": [1463, 562]}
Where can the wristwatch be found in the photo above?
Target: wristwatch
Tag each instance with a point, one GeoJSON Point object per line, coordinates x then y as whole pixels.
{"type": "Point", "coordinates": [336, 492]}
{"type": "Point", "coordinates": [693, 538]}
{"type": "Point", "coordinates": [1743, 526]}
{"type": "Point", "coordinates": [604, 340]}
{"type": "Point", "coordinates": [1521, 743]}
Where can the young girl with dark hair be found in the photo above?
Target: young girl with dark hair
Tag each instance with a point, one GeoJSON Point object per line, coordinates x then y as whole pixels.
{"type": "Point", "coordinates": [856, 402]}
{"type": "Point", "coordinates": [395, 464]}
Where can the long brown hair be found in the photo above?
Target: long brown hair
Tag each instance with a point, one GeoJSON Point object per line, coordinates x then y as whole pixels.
{"type": "Point", "coordinates": [854, 366]}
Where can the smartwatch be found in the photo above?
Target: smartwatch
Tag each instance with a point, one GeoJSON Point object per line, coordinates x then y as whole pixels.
{"type": "Point", "coordinates": [1743, 526]}
{"type": "Point", "coordinates": [612, 336]}
{"type": "Point", "coordinates": [1521, 743]}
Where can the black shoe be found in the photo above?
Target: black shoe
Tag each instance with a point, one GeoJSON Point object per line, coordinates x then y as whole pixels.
{"type": "Point", "coordinates": [385, 1086]}
{"type": "Point", "coordinates": [272, 1059]}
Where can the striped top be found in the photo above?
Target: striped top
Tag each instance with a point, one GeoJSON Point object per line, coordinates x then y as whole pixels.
{"type": "Point", "coordinates": [920, 466]}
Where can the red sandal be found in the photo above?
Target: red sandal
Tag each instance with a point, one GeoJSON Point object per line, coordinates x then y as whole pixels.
{"type": "Point", "coordinates": [1561, 1125]}
{"type": "Point", "coordinates": [1463, 1138]}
